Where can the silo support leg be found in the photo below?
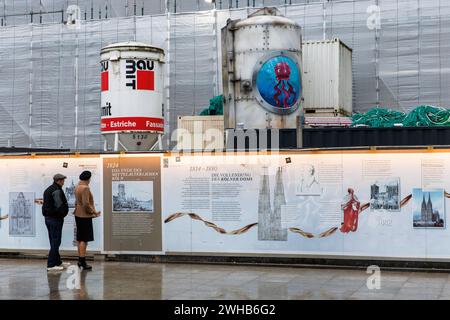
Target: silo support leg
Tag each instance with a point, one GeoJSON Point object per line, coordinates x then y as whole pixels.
{"type": "Point", "coordinates": [160, 142]}
{"type": "Point", "coordinates": [116, 142]}
{"type": "Point", "coordinates": [122, 145]}
{"type": "Point", "coordinates": [157, 144]}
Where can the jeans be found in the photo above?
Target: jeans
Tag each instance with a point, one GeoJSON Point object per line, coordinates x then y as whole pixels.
{"type": "Point", "coordinates": [54, 227]}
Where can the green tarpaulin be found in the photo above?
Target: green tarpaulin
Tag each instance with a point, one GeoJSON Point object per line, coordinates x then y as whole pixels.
{"type": "Point", "coordinates": [422, 116]}
{"type": "Point", "coordinates": [215, 107]}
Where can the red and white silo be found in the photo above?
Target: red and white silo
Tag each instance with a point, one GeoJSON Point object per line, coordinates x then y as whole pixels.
{"type": "Point", "coordinates": [132, 96]}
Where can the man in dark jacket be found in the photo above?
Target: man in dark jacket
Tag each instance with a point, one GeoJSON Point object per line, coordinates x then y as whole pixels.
{"type": "Point", "coordinates": [54, 209]}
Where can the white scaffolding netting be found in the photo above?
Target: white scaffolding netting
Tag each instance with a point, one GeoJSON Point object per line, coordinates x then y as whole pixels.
{"type": "Point", "coordinates": [49, 83]}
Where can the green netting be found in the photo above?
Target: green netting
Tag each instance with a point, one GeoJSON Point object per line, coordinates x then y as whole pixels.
{"type": "Point", "coordinates": [378, 118]}
{"type": "Point", "coordinates": [215, 107]}
{"type": "Point", "coordinates": [421, 116]}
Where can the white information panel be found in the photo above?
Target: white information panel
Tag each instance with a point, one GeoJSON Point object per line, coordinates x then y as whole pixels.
{"type": "Point", "coordinates": [371, 204]}
{"type": "Point", "coordinates": [23, 181]}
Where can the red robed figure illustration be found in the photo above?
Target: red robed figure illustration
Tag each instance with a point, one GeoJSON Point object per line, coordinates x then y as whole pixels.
{"type": "Point", "coordinates": [351, 208]}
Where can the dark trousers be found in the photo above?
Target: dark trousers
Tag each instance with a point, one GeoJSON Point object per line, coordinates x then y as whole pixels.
{"type": "Point", "coordinates": [54, 227]}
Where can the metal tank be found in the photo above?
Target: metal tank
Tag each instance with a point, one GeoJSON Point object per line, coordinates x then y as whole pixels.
{"type": "Point", "coordinates": [132, 88]}
{"type": "Point", "coordinates": [262, 71]}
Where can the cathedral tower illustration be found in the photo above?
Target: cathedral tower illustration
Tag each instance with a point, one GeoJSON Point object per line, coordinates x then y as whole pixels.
{"type": "Point", "coordinates": [269, 221]}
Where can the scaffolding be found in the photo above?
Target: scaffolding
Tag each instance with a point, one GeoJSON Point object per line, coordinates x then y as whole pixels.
{"type": "Point", "coordinates": [50, 87]}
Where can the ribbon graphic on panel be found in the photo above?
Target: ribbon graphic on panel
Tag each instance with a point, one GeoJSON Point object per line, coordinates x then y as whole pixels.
{"type": "Point", "coordinates": [351, 215]}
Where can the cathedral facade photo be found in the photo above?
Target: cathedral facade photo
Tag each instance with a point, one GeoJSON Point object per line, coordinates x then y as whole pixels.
{"type": "Point", "coordinates": [429, 210]}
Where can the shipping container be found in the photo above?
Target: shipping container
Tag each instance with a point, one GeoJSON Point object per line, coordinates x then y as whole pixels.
{"type": "Point", "coordinates": [327, 78]}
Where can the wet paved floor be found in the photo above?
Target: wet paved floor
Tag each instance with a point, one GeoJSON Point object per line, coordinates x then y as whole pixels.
{"type": "Point", "coordinates": [28, 279]}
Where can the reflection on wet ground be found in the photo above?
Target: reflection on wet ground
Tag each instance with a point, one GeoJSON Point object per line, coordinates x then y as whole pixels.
{"type": "Point", "coordinates": [28, 279]}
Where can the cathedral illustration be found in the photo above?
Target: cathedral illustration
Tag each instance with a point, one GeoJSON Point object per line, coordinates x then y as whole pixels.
{"type": "Point", "coordinates": [70, 195]}
{"type": "Point", "coordinates": [21, 222]}
{"type": "Point", "coordinates": [269, 221]}
{"type": "Point", "coordinates": [125, 202]}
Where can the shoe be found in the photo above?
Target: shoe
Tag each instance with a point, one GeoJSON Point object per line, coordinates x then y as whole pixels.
{"type": "Point", "coordinates": [65, 265]}
{"type": "Point", "coordinates": [55, 268]}
{"type": "Point", "coordinates": [84, 266]}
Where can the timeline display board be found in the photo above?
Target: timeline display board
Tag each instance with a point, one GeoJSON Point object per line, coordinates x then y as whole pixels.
{"type": "Point", "coordinates": [350, 204]}
{"type": "Point", "coordinates": [132, 203]}
{"type": "Point", "coordinates": [24, 180]}
{"type": "Point", "coordinates": [373, 204]}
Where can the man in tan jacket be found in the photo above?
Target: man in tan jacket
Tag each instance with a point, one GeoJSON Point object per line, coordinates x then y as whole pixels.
{"type": "Point", "coordinates": [84, 212]}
